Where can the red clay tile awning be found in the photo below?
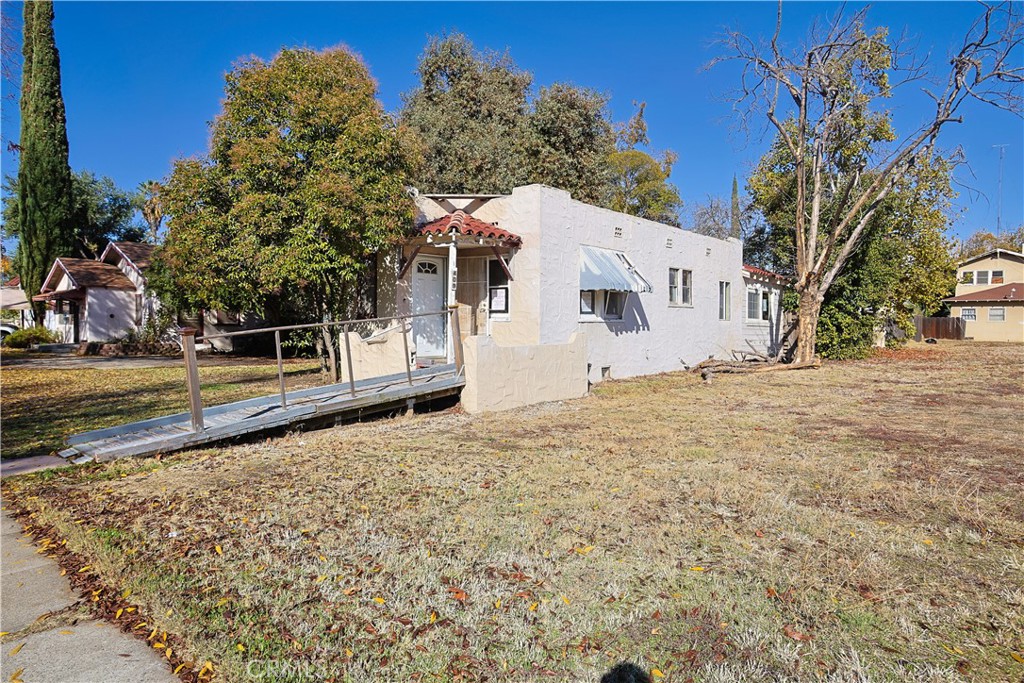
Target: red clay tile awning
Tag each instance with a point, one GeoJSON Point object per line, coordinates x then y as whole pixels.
{"type": "Point", "coordinates": [1013, 292]}
{"type": "Point", "coordinates": [465, 224]}
{"type": "Point", "coordinates": [754, 270]}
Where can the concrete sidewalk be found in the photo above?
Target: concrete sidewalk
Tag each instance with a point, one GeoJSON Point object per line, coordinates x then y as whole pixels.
{"type": "Point", "coordinates": [50, 635]}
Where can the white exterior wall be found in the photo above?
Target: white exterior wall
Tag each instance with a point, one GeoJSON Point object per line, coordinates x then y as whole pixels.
{"type": "Point", "coordinates": [653, 336]}
{"type": "Point", "coordinates": [109, 314]}
{"type": "Point", "coordinates": [764, 336]}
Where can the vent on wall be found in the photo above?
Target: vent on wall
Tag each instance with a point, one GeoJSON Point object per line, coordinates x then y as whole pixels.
{"type": "Point", "coordinates": [668, 243]}
{"type": "Point", "coordinates": [606, 372]}
{"type": "Point", "coordinates": [618, 231]}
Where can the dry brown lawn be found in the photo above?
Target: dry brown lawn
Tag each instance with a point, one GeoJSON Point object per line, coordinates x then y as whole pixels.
{"type": "Point", "coordinates": [863, 522]}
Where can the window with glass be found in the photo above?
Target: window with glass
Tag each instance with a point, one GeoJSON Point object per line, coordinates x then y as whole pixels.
{"type": "Point", "coordinates": [753, 304]}
{"type": "Point", "coordinates": [497, 289]}
{"type": "Point", "coordinates": [967, 278]}
{"type": "Point", "coordinates": [968, 314]}
{"type": "Point", "coordinates": [997, 314]}
{"type": "Point", "coordinates": [724, 296]}
{"type": "Point", "coordinates": [981, 277]}
{"type": "Point", "coordinates": [766, 306]}
{"type": "Point", "coordinates": [614, 304]}
{"type": "Point", "coordinates": [685, 287]}
{"type": "Point", "coordinates": [673, 286]}
{"type": "Point", "coordinates": [587, 300]}
{"type": "Point", "coordinates": [997, 277]}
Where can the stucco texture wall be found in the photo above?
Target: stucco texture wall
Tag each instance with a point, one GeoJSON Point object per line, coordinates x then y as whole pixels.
{"type": "Point", "coordinates": [109, 314]}
{"type": "Point", "coordinates": [379, 354]}
{"type": "Point", "coordinates": [653, 335]}
{"type": "Point", "coordinates": [505, 377]}
{"type": "Point", "coordinates": [1009, 330]}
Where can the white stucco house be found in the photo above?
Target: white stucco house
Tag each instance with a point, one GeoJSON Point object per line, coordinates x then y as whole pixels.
{"type": "Point", "coordinates": [535, 271]}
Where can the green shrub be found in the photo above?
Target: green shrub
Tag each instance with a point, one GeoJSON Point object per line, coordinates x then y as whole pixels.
{"type": "Point", "coordinates": [22, 339]}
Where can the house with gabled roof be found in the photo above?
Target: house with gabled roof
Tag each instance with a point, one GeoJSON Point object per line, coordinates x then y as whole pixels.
{"type": "Point", "coordinates": [989, 296]}
{"type": "Point", "coordinates": [88, 300]}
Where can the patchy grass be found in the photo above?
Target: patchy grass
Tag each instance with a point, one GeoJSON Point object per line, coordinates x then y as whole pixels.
{"type": "Point", "coordinates": [40, 407]}
{"type": "Point", "coordinates": [860, 522]}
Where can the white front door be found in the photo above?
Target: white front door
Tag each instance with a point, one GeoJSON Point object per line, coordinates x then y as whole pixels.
{"type": "Point", "coordinates": [428, 296]}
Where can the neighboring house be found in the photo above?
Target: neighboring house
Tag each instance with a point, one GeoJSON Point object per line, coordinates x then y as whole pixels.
{"type": "Point", "coordinates": [12, 298]}
{"type": "Point", "coordinates": [990, 296]}
{"type": "Point", "coordinates": [88, 300]}
{"type": "Point", "coordinates": [537, 269]}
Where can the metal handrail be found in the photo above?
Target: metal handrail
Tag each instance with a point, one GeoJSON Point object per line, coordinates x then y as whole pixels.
{"type": "Point", "coordinates": [189, 339]}
{"type": "Point", "coordinates": [306, 326]}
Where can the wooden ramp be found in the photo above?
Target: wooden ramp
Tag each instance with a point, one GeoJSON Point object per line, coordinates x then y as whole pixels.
{"type": "Point", "coordinates": [174, 432]}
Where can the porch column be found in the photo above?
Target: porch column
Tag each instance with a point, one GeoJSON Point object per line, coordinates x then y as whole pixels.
{"type": "Point", "coordinates": [453, 277]}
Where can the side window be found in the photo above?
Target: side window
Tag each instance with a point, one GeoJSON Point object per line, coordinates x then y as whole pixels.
{"type": "Point", "coordinates": [968, 314]}
{"type": "Point", "coordinates": [724, 303]}
{"type": "Point", "coordinates": [685, 287]}
{"type": "Point", "coordinates": [997, 314]}
{"type": "Point", "coordinates": [997, 277]}
{"type": "Point", "coordinates": [967, 278]}
{"type": "Point", "coordinates": [673, 286]}
{"type": "Point", "coordinates": [753, 304]}
{"type": "Point", "coordinates": [497, 289]}
{"type": "Point", "coordinates": [614, 303]}
{"type": "Point", "coordinates": [766, 305]}
{"type": "Point", "coordinates": [587, 300]}
{"type": "Point", "coordinates": [982, 277]}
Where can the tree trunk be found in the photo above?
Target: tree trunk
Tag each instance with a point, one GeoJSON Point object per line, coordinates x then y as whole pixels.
{"type": "Point", "coordinates": [807, 325]}
{"type": "Point", "coordinates": [327, 338]}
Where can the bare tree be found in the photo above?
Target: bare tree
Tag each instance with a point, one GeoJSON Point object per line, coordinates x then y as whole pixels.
{"type": "Point", "coordinates": [822, 102]}
{"type": "Point", "coordinates": [713, 218]}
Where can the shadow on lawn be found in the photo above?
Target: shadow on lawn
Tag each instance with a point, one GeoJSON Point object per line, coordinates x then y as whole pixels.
{"type": "Point", "coordinates": [41, 410]}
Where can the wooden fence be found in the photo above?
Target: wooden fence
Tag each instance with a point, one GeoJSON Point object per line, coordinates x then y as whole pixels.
{"type": "Point", "coordinates": [938, 328]}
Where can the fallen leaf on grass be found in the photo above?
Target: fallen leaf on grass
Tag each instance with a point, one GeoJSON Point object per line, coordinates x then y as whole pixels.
{"type": "Point", "coordinates": [458, 594]}
{"type": "Point", "coordinates": [16, 650]}
{"type": "Point", "coordinates": [791, 632]}
{"type": "Point", "coordinates": [16, 676]}
{"type": "Point", "coordinates": [657, 673]}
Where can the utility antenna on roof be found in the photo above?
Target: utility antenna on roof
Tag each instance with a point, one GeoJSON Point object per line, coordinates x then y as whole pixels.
{"type": "Point", "coordinates": [999, 206]}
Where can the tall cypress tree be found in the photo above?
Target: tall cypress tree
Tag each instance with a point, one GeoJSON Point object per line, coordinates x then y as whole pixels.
{"type": "Point", "coordinates": [46, 205]}
{"type": "Point", "coordinates": [734, 228]}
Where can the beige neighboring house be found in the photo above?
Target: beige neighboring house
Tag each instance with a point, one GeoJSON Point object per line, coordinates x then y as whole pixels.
{"type": "Point", "coordinates": [990, 296]}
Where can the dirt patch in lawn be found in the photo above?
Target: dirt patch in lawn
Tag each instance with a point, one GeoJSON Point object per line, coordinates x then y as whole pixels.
{"type": "Point", "coordinates": [658, 520]}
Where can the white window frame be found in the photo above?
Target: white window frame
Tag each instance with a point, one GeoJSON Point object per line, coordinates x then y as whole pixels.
{"type": "Point", "coordinates": [724, 300]}
{"type": "Point", "coordinates": [766, 305]}
{"type": "Point", "coordinates": [993, 277]}
{"type": "Point", "coordinates": [608, 296]}
{"type": "Point", "coordinates": [501, 316]}
{"type": "Point", "coordinates": [978, 277]}
{"type": "Point", "coordinates": [674, 287]}
{"type": "Point", "coordinates": [684, 288]}
{"type": "Point", "coordinates": [969, 314]}
{"type": "Point", "coordinates": [1002, 314]}
{"type": "Point", "coordinates": [756, 291]}
{"type": "Point", "coordinates": [967, 277]}
{"type": "Point", "coordinates": [592, 313]}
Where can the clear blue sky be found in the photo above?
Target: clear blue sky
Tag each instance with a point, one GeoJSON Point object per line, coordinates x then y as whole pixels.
{"type": "Point", "coordinates": [142, 79]}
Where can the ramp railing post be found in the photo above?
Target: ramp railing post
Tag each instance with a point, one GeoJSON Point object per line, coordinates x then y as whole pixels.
{"type": "Point", "coordinates": [280, 368]}
{"type": "Point", "coordinates": [456, 338]}
{"type": "Point", "coordinates": [348, 360]}
{"type": "Point", "coordinates": [195, 402]}
{"type": "Point", "coordinates": [405, 347]}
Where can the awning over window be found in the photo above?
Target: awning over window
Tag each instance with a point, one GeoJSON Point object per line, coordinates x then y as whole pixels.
{"type": "Point", "coordinates": [609, 270]}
